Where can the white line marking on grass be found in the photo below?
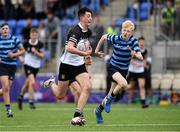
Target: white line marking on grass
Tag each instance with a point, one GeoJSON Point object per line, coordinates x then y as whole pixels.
{"type": "Point", "coordinates": [89, 125]}
{"type": "Point", "coordinates": [113, 109]}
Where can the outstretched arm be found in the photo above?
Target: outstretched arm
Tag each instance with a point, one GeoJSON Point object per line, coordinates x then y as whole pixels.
{"type": "Point", "coordinates": [103, 38]}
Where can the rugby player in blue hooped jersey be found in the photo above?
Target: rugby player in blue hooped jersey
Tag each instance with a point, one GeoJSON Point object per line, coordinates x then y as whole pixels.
{"type": "Point", "coordinates": [10, 49]}
{"type": "Point", "coordinates": [125, 46]}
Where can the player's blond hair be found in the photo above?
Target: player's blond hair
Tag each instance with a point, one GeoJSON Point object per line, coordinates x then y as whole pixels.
{"type": "Point", "coordinates": [128, 24]}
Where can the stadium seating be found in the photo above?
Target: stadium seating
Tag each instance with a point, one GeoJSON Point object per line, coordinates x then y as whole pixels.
{"type": "Point", "coordinates": [168, 75]}
{"type": "Point", "coordinates": [119, 21]}
{"type": "Point", "coordinates": [176, 84]}
{"type": "Point", "coordinates": [131, 12]}
{"type": "Point", "coordinates": [2, 21]}
{"type": "Point", "coordinates": [95, 6]}
{"type": "Point", "coordinates": [105, 2]}
{"type": "Point", "coordinates": [166, 82]}
{"type": "Point", "coordinates": [98, 81]}
{"type": "Point", "coordinates": [20, 25]}
{"type": "Point", "coordinates": [144, 11]}
{"type": "Point", "coordinates": [12, 25]}
{"type": "Point", "coordinates": [177, 75]}
{"type": "Point", "coordinates": [35, 23]}
{"type": "Point", "coordinates": [85, 3]}
{"type": "Point", "coordinates": [156, 80]}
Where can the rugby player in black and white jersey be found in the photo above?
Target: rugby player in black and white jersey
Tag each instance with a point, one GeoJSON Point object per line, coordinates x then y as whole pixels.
{"type": "Point", "coordinates": [136, 74]}
{"type": "Point", "coordinates": [73, 65]}
{"type": "Point", "coordinates": [32, 62]}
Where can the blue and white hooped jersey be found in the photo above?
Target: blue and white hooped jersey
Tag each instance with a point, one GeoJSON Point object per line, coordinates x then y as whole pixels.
{"type": "Point", "coordinates": [10, 44]}
{"type": "Point", "coordinates": [121, 51]}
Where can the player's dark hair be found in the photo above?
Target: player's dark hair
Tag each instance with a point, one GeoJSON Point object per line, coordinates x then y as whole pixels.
{"type": "Point", "coordinates": [141, 38]}
{"type": "Point", "coordinates": [4, 24]}
{"type": "Point", "coordinates": [82, 11]}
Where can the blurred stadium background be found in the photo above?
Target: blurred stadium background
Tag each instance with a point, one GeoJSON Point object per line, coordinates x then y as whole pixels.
{"type": "Point", "coordinates": [161, 32]}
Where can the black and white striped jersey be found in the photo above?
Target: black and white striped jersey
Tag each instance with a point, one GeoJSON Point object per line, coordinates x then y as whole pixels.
{"type": "Point", "coordinates": [77, 35]}
{"type": "Point", "coordinates": [30, 58]}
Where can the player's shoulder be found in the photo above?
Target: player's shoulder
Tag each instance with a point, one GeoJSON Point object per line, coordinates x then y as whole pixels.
{"type": "Point", "coordinates": [26, 42]}
{"type": "Point", "coordinates": [40, 44]}
{"type": "Point", "coordinates": [13, 37]}
{"type": "Point", "coordinates": [75, 29]}
{"type": "Point", "coordinates": [89, 31]}
{"type": "Point", "coordinates": [133, 39]}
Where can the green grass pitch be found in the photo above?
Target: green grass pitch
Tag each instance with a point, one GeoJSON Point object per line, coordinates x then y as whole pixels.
{"type": "Point", "coordinates": [56, 117]}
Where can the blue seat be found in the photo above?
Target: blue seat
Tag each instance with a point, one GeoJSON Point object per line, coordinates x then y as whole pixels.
{"type": "Point", "coordinates": [44, 21]}
{"type": "Point", "coordinates": [95, 6]}
{"type": "Point", "coordinates": [20, 37]}
{"type": "Point", "coordinates": [18, 31]}
{"type": "Point", "coordinates": [119, 21]}
{"type": "Point", "coordinates": [46, 58]}
{"type": "Point", "coordinates": [21, 23]}
{"type": "Point", "coordinates": [131, 13]}
{"type": "Point", "coordinates": [69, 22]}
{"type": "Point", "coordinates": [75, 21]}
{"type": "Point", "coordinates": [35, 23]}
{"type": "Point", "coordinates": [144, 10]}
{"type": "Point", "coordinates": [47, 55]}
{"type": "Point", "coordinates": [19, 26]}
{"type": "Point", "coordinates": [105, 2]}
{"type": "Point", "coordinates": [12, 23]}
{"type": "Point", "coordinates": [85, 3]}
{"type": "Point", "coordinates": [2, 21]}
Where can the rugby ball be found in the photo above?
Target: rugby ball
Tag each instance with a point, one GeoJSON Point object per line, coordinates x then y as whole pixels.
{"type": "Point", "coordinates": [83, 45]}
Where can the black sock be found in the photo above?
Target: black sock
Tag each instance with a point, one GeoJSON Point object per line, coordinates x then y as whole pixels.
{"type": "Point", "coordinates": [113, 95]}
{"type": "Point", "coordinates": [143, 102]}
{"type": "Point", "coordinates": [77, 113]}
{"type": "Point", "coordinates": [8, 107]}
{"type": "Point", "coordinates": [101, 107]}
{"type": "Point", "coordinates": [31, 102]}
{"type": "Point", "coordinates": [21, 96]}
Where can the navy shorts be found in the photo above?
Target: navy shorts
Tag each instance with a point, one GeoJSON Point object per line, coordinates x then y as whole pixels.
{"type": "Point", "coordinates": [7, 70]}
{"type": "Point", "coordinates": [113, 70]}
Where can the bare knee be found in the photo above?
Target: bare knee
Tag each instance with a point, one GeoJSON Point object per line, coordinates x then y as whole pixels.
{"type": "Point", "coordinates": [31, 84]}
{"type": "Point", "coordinates": [60, 96]}
{"type": "Point", "coordinates": [5, 89]}
{"type": "Point", "coordinates": [86, 88]}
{"type": "Point", "coordinates": [124, 85]}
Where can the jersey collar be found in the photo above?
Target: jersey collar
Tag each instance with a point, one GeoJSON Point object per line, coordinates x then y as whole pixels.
{"type": "Point", "coordinates": [83, 29]}
{"type": "Point", "coordinates": [30, 41]}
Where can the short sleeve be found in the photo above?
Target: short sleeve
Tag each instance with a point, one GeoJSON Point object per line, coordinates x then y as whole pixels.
{"type": "Point", "coordinates": [74, 36]}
